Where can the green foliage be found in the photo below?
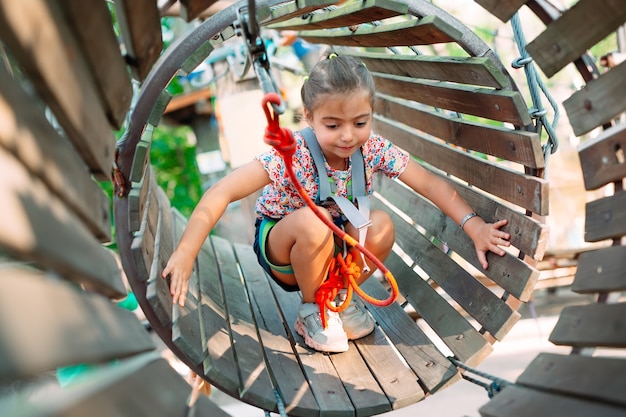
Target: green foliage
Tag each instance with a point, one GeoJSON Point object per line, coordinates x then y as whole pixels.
{"type": "Point", "coordinates": [174, 161]}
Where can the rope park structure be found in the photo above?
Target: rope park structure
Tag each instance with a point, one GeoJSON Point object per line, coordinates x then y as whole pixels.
{"type": "Point", "coordinates": [443, 95]}
{"type": "Point", "coordinates": [246, 25]}
{"type": "Point", "coordinates": [246, 22]}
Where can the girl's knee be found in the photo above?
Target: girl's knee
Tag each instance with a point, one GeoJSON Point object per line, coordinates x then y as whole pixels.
{"type": "Point", "coordinates": [382, 231]}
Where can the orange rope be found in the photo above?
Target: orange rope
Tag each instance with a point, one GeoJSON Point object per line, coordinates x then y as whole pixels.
{"type": "Point", "coordinates": [342, 272]}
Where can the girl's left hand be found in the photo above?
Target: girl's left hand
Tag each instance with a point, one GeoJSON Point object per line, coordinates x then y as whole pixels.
{"type": "Point", "coordinates": [488, 237]}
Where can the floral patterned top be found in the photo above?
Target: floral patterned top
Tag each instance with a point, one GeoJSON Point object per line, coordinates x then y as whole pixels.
{"type": "Point", "coordinates": [280, 197]}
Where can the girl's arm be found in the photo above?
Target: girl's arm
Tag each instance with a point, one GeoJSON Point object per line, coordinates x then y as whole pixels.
{"type": "Point", "coordinates": [486, 236]}
{"type": "Point", "coordinates": [235, 186]}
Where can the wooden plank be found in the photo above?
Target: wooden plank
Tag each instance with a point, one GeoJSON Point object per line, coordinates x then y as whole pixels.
{"type": "Point", "coordinates": [143, 244]}
{"type": "Point", "coordinates": [285, 11]}
{"type": "Point", "coordinates": [601, 270]}
{"type": "Point", "coordinates": [593, 325]}
{"type": "Point", "coordinates": [187, 332]}
{"type": "Point", "coordinates": [585, 24]}
{"type": "Point", "coordinates": [603, 379]}
{"type": "Point", "coordinates": [362, 387]}
{"type": "Point", "coordinates": [605, 218]}
{"type": "Point", "coordinates": [36, 226]}
{"type": "Point", "coordinates": [282, 361]}
{"type": "Point", "coordinates": [603, 159]}
{"type": "Point", "coordinates": [40, 307]}
{"type": "Point", "coordinates": [432, 368]}
{"type": "Point", "coordinates": [220, 364]}
{"type": "Point", "coordinates": [500, 105]}
{"type": "Point", "coordinates": [91, 23]}
{"type": "Point", "coordinates": [520, 189]}
{"type": "Point", "coordinates": [37, 36]}
{"type": "Point", "coordinates": [324, 381]}
{"type": "Point", "coordinates": [140, 27]}
{"type": "Point", "coordinates": [140, 196]}
{"type": "Point", "coordinates": [190, 9]}
{"type": "Point", "coordinates": [348, 14]}
{"type": "Point", "coordinates": [464, 70]}
{"type": "Point", "coordinates": [256, 386]}
{"type": "Point", "coordinates": [426, 31]}
{"type": "Point", "coordinates": [453, 329]}
{"type": "Point", "coordinates": [516, 401]}
{"type": "Point", "coordinates": [142, 386]}
{"type": "Point", "coordinates": [26, 133]}
{"type": "Point", "coordinates": [502, 9]}
{"type": "Point", "coordinates": [513, 145]}
{"type": "Point", "coordinates": [598, 101]}
{"type": "Point", "coordinates": [491, 312]}
{"type": "Point", "coordinates": [141, 158]}
{"type": "Point", "coordinates": [157, 289]}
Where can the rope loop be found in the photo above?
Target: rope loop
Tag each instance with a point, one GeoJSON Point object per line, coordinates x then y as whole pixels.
{"type": "Point", "coordinates": [521, 62]}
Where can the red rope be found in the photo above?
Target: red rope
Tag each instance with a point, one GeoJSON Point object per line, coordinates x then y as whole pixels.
{"type": "Point", "coordinates": [342, 272]}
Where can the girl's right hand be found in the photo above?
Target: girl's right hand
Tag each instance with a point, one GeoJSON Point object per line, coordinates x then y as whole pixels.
{"type": "Point", "coordinates": [179, 269]}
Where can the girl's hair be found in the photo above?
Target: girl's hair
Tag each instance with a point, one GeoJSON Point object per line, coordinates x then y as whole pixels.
{"type": "Point", "coordinates": [335, 75]}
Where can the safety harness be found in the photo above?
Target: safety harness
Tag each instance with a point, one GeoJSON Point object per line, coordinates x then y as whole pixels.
{"type": "Point", "coordinates": [358, 217]}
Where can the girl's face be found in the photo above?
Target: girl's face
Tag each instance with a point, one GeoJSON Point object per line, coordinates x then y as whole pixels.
{"type": "Point", "coordinates": [342, 123]}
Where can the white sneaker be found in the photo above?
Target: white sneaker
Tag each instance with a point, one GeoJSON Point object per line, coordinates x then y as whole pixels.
{"type": "Point", "coordinates": [309, 326]}
{"type": "Point", "coordinates": [357, 323]}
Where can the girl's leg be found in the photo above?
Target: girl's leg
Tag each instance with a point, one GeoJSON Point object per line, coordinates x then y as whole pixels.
{"type": "Point", "coordinates": [302, 240]}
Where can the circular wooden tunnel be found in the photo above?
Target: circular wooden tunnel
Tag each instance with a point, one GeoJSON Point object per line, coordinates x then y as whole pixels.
{"type": "Point", "coordinates": [457, 110]}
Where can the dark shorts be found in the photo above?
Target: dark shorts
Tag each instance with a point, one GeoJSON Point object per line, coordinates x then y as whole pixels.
{"type": "Point", "coordinates": [262, 230]}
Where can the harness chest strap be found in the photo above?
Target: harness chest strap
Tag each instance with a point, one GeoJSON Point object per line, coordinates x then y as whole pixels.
{"type": "Point", "coordinates": [358, 217]}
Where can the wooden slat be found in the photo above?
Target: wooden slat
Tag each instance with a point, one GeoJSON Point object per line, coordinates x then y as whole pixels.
{"type": "Point", "coordinates": [591, 325]}
{"type": "Point", "coordinates": [603, 377]}
{"type": "Point", "coordinates": [285, 370]}
{"type": "Point", "coordinates": [190, 9]}
{"type": "Point", "coordinates": [363, 389]}
{"type": "Point", "coordinates": [139, 196]}
{"type": "Point", "coordinates": [36, 226]}
{"type": "Point", "coordinates": [142, 246]}
{"type": "Point", "coordinates": [513, 145]}
{"type": "Point", "coordinates": [432, 368]}
{"type": "Point", "coordinates": [219, 365]}
{"type": "Point", "coordinates": [585, 24]}
{"type": "Point", "coordinates": [288, 10]}
{"type": "Point", "coordinates": [502, 9]}
{"type": "Point", "coordinates": [349, 14]}
{"type": "Point", "coordinates": [603, 159]}
{"type": "Point", "coordinates": [26, 133]}
{"type": "Point", "coordinates": [504, 106]}
{"type": "Point", "coordinates": [39, 307]}
{"type": "Point", "coordinates": [605, 218]}
{"type": "Point", "coordinates": [37, 36]}
{"type": "Point", "coordinates": [329, 392]}
{"type": "Point", "coordinates": [143, 386]}
{"type": "Point", "coordinates": [455, 331]}
{"type": "Point", "coordinates": [464, 70]}
{"type": "Point", "coordinates": [601, 270]}
{"type": "Point", "coordinates": [141, 159]}
{"type": "Point", "coordinates": [598, 101]}
{"type": "Point", "coordinates": [187, 332]}
{"type": "Point", "coordinates": [91, 23]}
{"type": "Point", "coordinates": [512, 274]}
{"type": "Point", "coordinates": [519, 189]}
{"type": "Point", "coordinates": [426, 31]}
{"type": "Point", "coordinates": [140, 27]}
{"type": "Point", "coordinates": [157, 289]}
{"type": "Point", "coordinates": [256, 386]}
{"type": "Point", "coordinates": [516, 401]}
{"type": "Point", "coordinates": [483, 305]}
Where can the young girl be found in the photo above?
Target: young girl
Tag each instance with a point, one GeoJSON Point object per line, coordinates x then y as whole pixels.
{"type": "Point", "coordinates": [292, 244]}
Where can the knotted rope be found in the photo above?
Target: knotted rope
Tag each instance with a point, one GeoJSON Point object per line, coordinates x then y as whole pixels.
{"type": "Point", "coordinates": [343, 272]}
